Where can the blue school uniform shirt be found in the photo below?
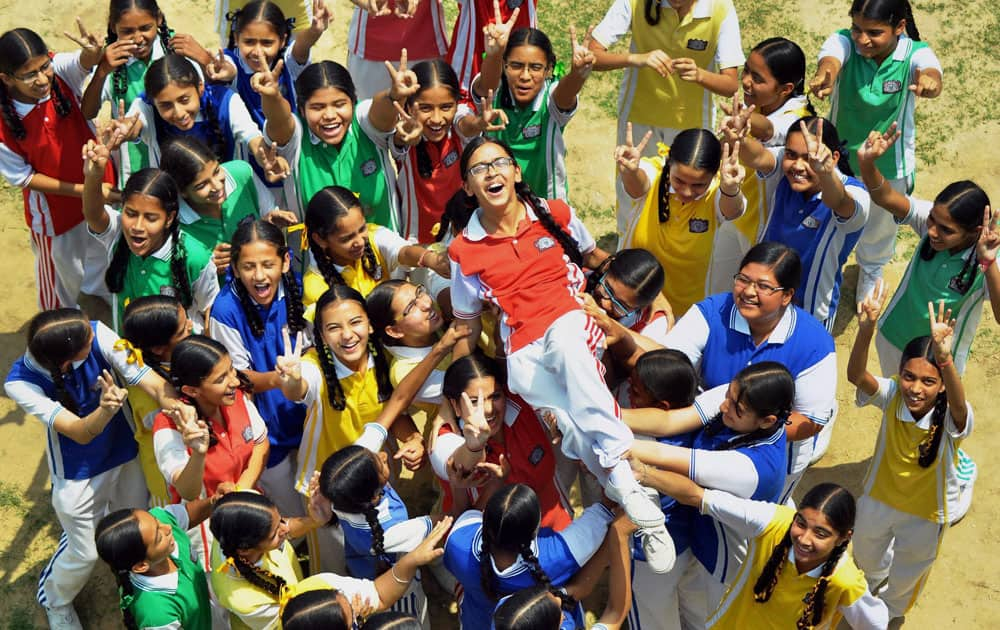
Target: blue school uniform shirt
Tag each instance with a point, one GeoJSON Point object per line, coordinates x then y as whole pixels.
{"type": "Point", "coordinates": [560, 554]}
{"type": "Point", "coordinates": [218, 97]}
{"type": "Point", "coordinates": [822, 239]}
{"type": "Point", "coordinates": [114, 446]}
{"type": "Point", "coordinates": [361, 562]}
{"type": "Point", "coordinates": [678, 524]}
{"type": "Point", "coordinates": [284, 418]}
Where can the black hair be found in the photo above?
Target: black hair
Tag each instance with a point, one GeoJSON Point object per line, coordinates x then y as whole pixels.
{"type": "Point", "coordinates": [457, 212]}
{"type": "Point", "coordinates": [379, 307]}
{"type": "Point", "coordinates": [192, 360]}
{"type": "Point", "coordinates": [463, 371]}
{"type": "Point", "coordinates": [334, 392]}
{"type": "Point", "coordinates": [787, 63]}
{"type": "Point", "coordinates": [923, 348]}
{"type": "Point", "coordinates": [964, 201]}
{"type": "Point", "coordinates": [431, 74]}
{"type": "Point", "coordinates": [697, 148]}
{"type": "Point", "coordinates": [767, 388]}
{"type": "Point", "coordinates": [569, 245]}
{"type": "Point", "coordinates": [837, 505]}
{"type": "Point", "coordinates": [179, 70]}
{"type": "Point", "coordinates": [889, 12]}
{"type": "Point", "coordinates": [668, 376]}
{"type": "Point", "coordinates": [242, 520]}
{"type": "Point", "coordinates": [261, 11]}
{"type": "Point", "coordinates": [326, 208]}
{"type": "Point", "coordinates": [18, 47]}
{"type": "Point", "coordinates": [55, 337]}
{"type": "Point", "coordinates": [315, 610]}
{"type": "Point", "coordinates": [119, 543]}
{"type": "Point", "coordinates": [323, 74]}
{"type": "Point", "coordinates": [350, 480]}
{"type": "Point", "coordinates": [651, 10]}
{"type": "Point", "coordinates": [119, 80]}
{"type": "Point", "coordinates": [391, 620]}
{"type": "Point", "coordinates": [528, 609]}
{"type": "Point", "coordinates": [637, 269]}
{"type": "Point", "coordinates": [248, 231]}
{"type": "Point", "coordinates": [510, 523]}
{"type": "Point", "coordinates": [152, 182]}
{"type": "Point", "coordinates": [830, 138]}
{"type": "Point", "coordinates": [524, 37]}
{"type": "Point", "coordinates": [782, 260]}
{"type": "Point", "coordinates": [184, 157]}
{"type": "Point", "coordinates": [150, 321]}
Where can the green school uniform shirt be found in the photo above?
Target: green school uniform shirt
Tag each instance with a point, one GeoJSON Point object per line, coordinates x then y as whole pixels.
{"type": "Point", "coordinates": [179, 597]}
{"type": "Point", "coordinates": [242, 200]}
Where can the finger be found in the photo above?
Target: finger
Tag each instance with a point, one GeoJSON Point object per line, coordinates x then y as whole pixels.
{"type": "Point", "coordinates": [121, 108]}
{"type": "Point", "coordinates": [496, 12]}
{"type": "Point", "coordinates": [819, 130]}
{"type": "Point", "coordinates": [589, 37]}
{"type": "Point", "coordinates": [74, 39]}
{"type": "Point", "coordinates": [572, 36]}
{"type": "Point", "coordinates": [725, 153]}
{"type": "Point", "coordinates": [286, 340]}
{"type": "Point", "coordinates": [930, 312]}
{"type": "Point", "coordinates": [940, 310]}
{"type": "Point", "coordinates": [402, 61]}
{"type": "Point", "coordinates": [392, 70]}
{"type": "Point", "coordinates": [299, 342]}
{"type": "Point", "coordinates": [400, 111]}
{"type": "Point", "coordinates": [513, 17]}
{"type": "Point", "coordinates": [628, 134]}
{"type": "Point", "coordinates": [645, 140]}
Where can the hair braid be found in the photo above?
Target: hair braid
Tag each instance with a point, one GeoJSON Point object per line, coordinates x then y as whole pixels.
{"type": "Point", "coordinates": [62, 102]}
{"type": "Point", "coordinates": [232, 17]}
{"type": "Point", "coordinates": [378, 538]}
{"type": "Point", "coordinates": [249, 308]}
{"type": "Point", "coordinates": [568, 243]}
{"type": "Point", "coordinates": [814, 601]}
{"type": "Point", "coordinates": [293, 303]}
{"type": "Point", "coordinates": [262, 579]}
{"type": "Point", "coordinates": [334, 392]}
{"type": "Point", "coordinates": [10, 117]}
{"type": "Point", "coordinates": [486, 578]}
{"type": "Point", "coordinates": [165, 34]}
{"type": "Point", "coordinates": [663, 194]}
{"type": "Point", "coordinates": [126, 590]}
{"type": "Point", "coordinates": [567, 602]}
{"type": "Point", "coordinates": [911, 25]}
{"type": "Point", "coordinates": [178, 267]}
{"type": "Point", "coordinates": [114, 277]}
{"type": "Point", "coordinates": [369, 263]}
{"type": "Point", "coordinates": [217, 141]}
{"type": "Point", "coordinates": [62, 394]}
{"type": "Point", "coordinates": [382, 379]}
{"type": "Point", "coordinates": [764, 586]}
{"type": "Point", "coordinates": [931, 444]}
{"type": "Point", "coordinates": [424, 165]}
{"type": "Point", "coordinates": [325, 265]}
{"type": "Point", "coordinates": [652, 11]}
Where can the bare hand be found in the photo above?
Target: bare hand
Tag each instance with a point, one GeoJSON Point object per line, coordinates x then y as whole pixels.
{"type": "Point", "coordinates": [583, 57]}
{"type": "Point", "coordinates": [989, 239]}
{"type": "Point", "coordinates": [409, 131]}
{"type": "Point", "coordinates": [490, 116]}
{"type": "Point", "coordinates": [732, 173]}
{"type": "Point", "coordinates": [266, 82]}
{"type": "Point", "coordinates": [628, 156]}
{"type": "Point", "coordinates": [428, 551]}
{"type": "Point", "coordinates": [117, 54]}
{"type": "Point", "coordinates": [112, 396]}
{"type": "Point", "coordinates": [289, 363]}
{"type": "Point", "coordinates": [281, 218]}
{"type": "Point", "coordinates": [320, 508]}
{"type": "Point", "coordinates": [404, 81]}
{"type": "Point", "coordinates": [876, 144]}
{"type": "Point", "coordinates": [375, 8]}
{"type": "Point", "coordinates": [870, 307]}
{"type": "Point", "coordinates": [275, 167]}
{"type": "Point", "coordinates": [475, 428]}
{"type": "Point", "coordinates": [411, 452]}
{"type": "Point", "coordinates": [736, 125]}
{"type": "Point", "coordinates": [687, 70]}
{"type": "Point", "coordinates": [822, 84]}
{"type": "Point", "coordinates": [942, 331]}
{"type": "Point", "coordinates": [497, 32]}
{"type": "Point", "coordinates": [91, 46]}
{"type": "Point", "coordinates": [928, 85]}
{"type": "Point", "coordinates": [321, 17]}
{"type": "Point", "coordinates": [95, 159]}
{"type": "Point", "coordinates": [220, 69]}
{"type": "Point", "coordinates": [658, 61]}
{"type": "Point", "coordinates": [406, 9]}
{"type": "Point", "coordinates": [221, 256]}
{"type": "Point", "coordinates": [820, 156]}
{"type": "Point", "coordinates": [457, 331]}
{"type": "Point", "coordinates": [187, 45]}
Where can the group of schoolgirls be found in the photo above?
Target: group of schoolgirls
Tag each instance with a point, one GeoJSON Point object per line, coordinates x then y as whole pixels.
{"type": "Point", "coordinates": [284, 244]}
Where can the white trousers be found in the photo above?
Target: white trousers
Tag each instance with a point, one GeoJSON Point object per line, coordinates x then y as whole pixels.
{"type": "Point", "coordinates": [877, 242]}
{"type": "Point", "coordinates": [895, 545]}
{"type": "Point", "coordinates": [67, 264]}
{"type": "Point", "coordinates": [670, 601]}
{"type": "Point", "coordinates": [79, 505]}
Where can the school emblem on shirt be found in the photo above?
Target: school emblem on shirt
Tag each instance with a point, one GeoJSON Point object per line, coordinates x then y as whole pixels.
{"type": "Point", "coordinates": [168, 290]}
{"type": "Point", "coordinates": [532, 131]}
{"type": "Point", "coordinates": [536, 455]}
{"type": "Point", "coordinates": [247, 434]}
{"type": "Point", "coordinates": [698, 226]}
{"type": "Point", "coordinates": [892, 86]}
{"type": "Point", "coordinates": [545, 243]}
{"type": "Point", "coordinates": [697, 44]}
{"type": "Point", "coordinates": [810, 222]}
{"type": "Point", "coordinates": [369, 168]}
{"type": "Point", "coordinates": [451, 158]}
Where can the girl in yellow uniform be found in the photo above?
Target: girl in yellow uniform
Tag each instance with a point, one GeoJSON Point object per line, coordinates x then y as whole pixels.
{"type": "Point", "coordinates": [678, 201]}
{"type": "Point", "coordinates": [912, 483]}
{"type": "Point", "coordinates": [796, 573]}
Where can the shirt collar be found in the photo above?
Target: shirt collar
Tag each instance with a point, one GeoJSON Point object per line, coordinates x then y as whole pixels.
{"type": "Point", "coordinates": [343, 371]}
{"type": "Point", "coordinates": [538, 101]}
{"type": "Point", "coordinates": [164, 252]}
{"type": "Point", "coordinates": [701, 9]}
{"type": "Point", "coordinates": [781, 332]}
{"type": "Point", "coordinates": [409, 352]}
{"type": "Point", "coordinates": [166, 582]}
{"type": "Point", "coordinates": [474, 230]}
{"type": "Point", "coordinates": [23, 109]}
{"type": "Point", "coordinates": [34, 364]}
{"type": "Point", "coordinates": [815, 573]}
{"type": "Point", "coordinates": [189, 215]}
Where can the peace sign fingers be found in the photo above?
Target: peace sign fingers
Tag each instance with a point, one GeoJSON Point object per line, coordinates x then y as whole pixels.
{"type": "Point", "coordinates": [989, 240]}
{"type": "Point", "coordinates": [404, 81]}
{"type": "Point", "coordinates": [408, 129]}
{"type": "Point", "coordinates": [583, 58]}
{"type": "Point", "coordinates": [490, 115]}
{"type": "Point", "coordinates": [732, 172]}
{"type": "Point", "coordinates": [289, 364]}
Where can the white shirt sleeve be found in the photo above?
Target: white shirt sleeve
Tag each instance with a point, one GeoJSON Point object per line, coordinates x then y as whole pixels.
{"type": "Point", "coordinates": [862, 207]}
{"type": "Point", "coordinates": [745, 517]}
{"type": "Point", "coordinates": [836, 46]}
{"type": "Point", "coordinates": [364, 589]}
{"type": "Point", "coordinates": [924, 59]}
{"type": "Point", "coordinates": [389, 245]}
{"type": "Point", "coordinates": [171, 453]}
{"type": "Point", "coordinates": [916, 218]}
{"type": "Point", "coordinates": [67, 66]}
{"type": "Point", "coordinates": [404, 537]}
{"type": "Point", "coordinates": [689, 335]}
{"type": "Point", "coordinates": [708, 403]}
{"type": "Point", "coordinates": [866, 613]}
{"type": "Point", "coordinates": [362, 112]}
{"type": "Point", "coordinates": [204, 290]}
{"type": "Point", "coordinates": [949, 423]}
{"type": "Point", "coordinates": [13, 167]}
{"type": "Point", "coordinates": [33, 400]}
{"type": "Point", "coordinates": [233, 341]}
{"type": "Point", "coordinates": [729, 50]}
{"type": "Point", "coordinates": [444, 447]}
{"type": "Point", "coordinates": [180, 514]}
{"type": "Point", "coordinates": [257, 425]}
{"type": "Point", "coordinates": [109, 236]}
{"type": "Point", "coordinates": [314, 384]}
{"type": "Point", "coordinates": [656, 330]}
{"type": "Point", "coordinates": [616, 24]}
{"type": "Point", "coordinates": [816, 390]}
{"type": "Point", "coordinates": [294, 67]}
{"type": "Point", "coordinates": [584, 535]}
{"type": "Point", "coordinates": [561, 117]}
{"type": "Point", "coordinates": [730, 471]}
{"type": "Point", "coordinates": [106, 340]}
{"type": "Point", "coordinates": [580, 233]}
{"type": "Point", "coordinates": [466, 302]}
{"type": "Point", "coordinates": [242, 124]}
{"type": "Point", "coordinates": [881, 398]}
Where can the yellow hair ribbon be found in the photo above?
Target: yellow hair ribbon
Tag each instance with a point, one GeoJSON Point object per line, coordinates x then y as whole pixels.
{"type": "Point", "coordinates": [303, 241]}
{"type": "Point", "coordinates": [285, 595]}
{"type": "Point", "coordinates": [436, 229]}
{"type": "Point", "coordinates": [662, 150]}
{"type": "Point", "coordinates": [225, 566]}
{"type": "Point", "coordinates": [134, 355]}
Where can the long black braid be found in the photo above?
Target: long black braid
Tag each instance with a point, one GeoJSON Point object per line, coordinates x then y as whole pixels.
{"type": "Point", "coordinates": [178, 267]}
{"type": "Point", "coordinates": [651, 10]}
{"type": "Point", "coordinates": [62, 394]}
{"type": "Point", "coordinates": [10, 118]}
{"type": "Point", "coordinates": [567, 601]}
{"type": "Point", "coordinates": [378, 538]}
{"type": "Point", "coordinates": [125, 593]}
{"type": "Point", "coordinates": [763, 588]}
{"type": "Point", "coordinates": [17, 47]}
{"type": "Point", "coordinates": [569, 245]}
{"type": "Point", "coordinates": [323, 213]}
{"type": "Point", "coordinates": [931, 444]}
{"type": "Point", "coordinates": [815, 600]}
{"type": "Point", "coordinates": [486, 577]}
{"type": "Point", "coordinates": [217, 139]}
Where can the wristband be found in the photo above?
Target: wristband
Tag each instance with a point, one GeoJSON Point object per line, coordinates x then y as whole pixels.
{"type": "Point", "coordinates": [881, 184]}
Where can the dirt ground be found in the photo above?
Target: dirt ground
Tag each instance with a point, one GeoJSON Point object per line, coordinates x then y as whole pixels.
{"type": "Point", "coordinates": [960, 593]}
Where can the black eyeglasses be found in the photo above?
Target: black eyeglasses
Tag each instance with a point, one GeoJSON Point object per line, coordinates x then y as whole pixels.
{"type": "Point", "coordinates": [743, 281]}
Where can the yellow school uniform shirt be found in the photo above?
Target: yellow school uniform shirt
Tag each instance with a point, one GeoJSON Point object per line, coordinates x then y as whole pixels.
{"type": "Point", "coordinates": [672, 102]}
{"type": "Point", "coordinates": [738, 608]}
{"type": "Point", "coordinates": [142, 405]}
{"type": "Point", "coordinates": [326, 429]}
{"type": "Point", "coordinates": [354, 275]}
{"type": "Point", "coordinates": [402, 361]}
{"type": "Point", "coordinates": [249, 606]}
{"type": "Point", "coordinates": [894, 475]}
{"type": "Point", "coordinates": [683, 244]}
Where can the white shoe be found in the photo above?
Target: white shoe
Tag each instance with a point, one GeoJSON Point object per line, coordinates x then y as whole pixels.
{"type": "Point", "coordinates": [659, 548]}
{"type": "Point", "coordinates": [968, 472]}
{"type": "Point", "coordinates": [63, 618]}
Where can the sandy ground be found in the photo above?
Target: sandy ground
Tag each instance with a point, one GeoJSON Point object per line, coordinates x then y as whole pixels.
{"type": "Point", "coordinates": [961, 591]}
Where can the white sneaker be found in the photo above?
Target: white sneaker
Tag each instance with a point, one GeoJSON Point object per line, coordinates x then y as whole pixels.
{"type": "Point", "coordinates": [63, 618]}
{"type": "Point", "coordinates": [968, 472]}
{"type": "Point", "coordinates": [659, 548]}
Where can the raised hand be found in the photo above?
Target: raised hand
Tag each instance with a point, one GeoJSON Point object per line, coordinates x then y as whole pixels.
{"type": "Point", "coordinates": [221, 256]}
{"type": "Point", "coordinates": [375, 8]}
{"type": "Point", "coordinates": [928, 85]}
{"type": "Point", "coordinates": [289, 363]}
{"type": "Point", "coordinates": [404, 81]}
{"type": "Point", "coordinates": [187, 45]}
{"type": "Point", "coordinates": [628, 155]}
{"type": "Point", "coordinates": [822, 84]}
{"type": "Point", "coordinates": [119, 128]}
{"type": "Point", "coordinates": [583, 58]}
{"type": "Point", "coordinates": [362, 608]}
{"type": "Point", "coordinates": [497, 32]}
{"type": "Point", "coordinates": [219, 69]}
{"type": "Point", "coordinates": [275, 167]}
{"type": "Point", "coordinates": [876, 144]}
{"type": "Point", "coordinates": [428, 551]}
{"type": "Point", "coordinates": [95, 159]}
{"type": "Point", "coordinates": [499, 471]}
{"type": "Point", "coordinates": [490, 116]}
{"type": "Point", "coordinates": [406, 9]}
{"type": "Point", "coordinates": [320, 508]}
{"type": "Point", "coordinates": [411, 452]}
{"type": "Point", "coordinates": [459, 477]}
{"type": "Point", "coordinates": [687, 70]}
{"type": "Point", "coordinates": [91, 46]}
{"type": "Point", "coordinates": [281, 218]}
{"type": "Point", "coordinates": [266, 82]}
{"type": "Point", "coordinates": [732, 173]}
{"type": "Point", "coordinates": [871, 306]}
{"type": "Point", "coordinates": [736, 124]}
{"type": "Point", "coordinates": [942, 330]}
{"type": "Point", "coordinates": [820, 156]}
{"type": "Point", "coordinates": [112, 396]}
{"type": "Point", "coordinates": [989, 240]}
{"type": "Point", "coordinates": [408, 129]}
{"type": "Point", "coordinates": [117, 54]}
{"type": "Point", "coordinates": [475, 428]}
{"type": "Point", "coordinates": [455, 333]}
{"type": "Point", "coordinates": [321, 17]}
{"type": "Point", "coordinates": [194, 432]}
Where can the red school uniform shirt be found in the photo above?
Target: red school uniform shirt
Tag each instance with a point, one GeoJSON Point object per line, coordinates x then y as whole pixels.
{"type": "Point", "coordinates": [465, 53]}
{"type": "Point", "coordinates": [235, 440]}
{"type": "Point", "coordinates": [527, 275]}
{"type": "Point", "coordinates": [383, 38]}
{"type": "Point", "coordinates": [527, 447]}
{"type": "Point", "coordinates": [52, 146]}
{"type": "Point", "coordinates": [423, 199]}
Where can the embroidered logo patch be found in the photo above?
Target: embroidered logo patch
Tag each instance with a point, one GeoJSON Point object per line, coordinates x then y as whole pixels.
{"type": "Point", "coordinates": [532, 131]}
{"type": "Point", "coordinates": [892, 86]}
{"type": "Point", "coordinates": [810, 222]}
{"type": "Point", "coordinates": [536, 455]}
{"type": "Point", "coordinates": [698, 226]}
{"type": "Point", "coordinates": [697, 44]}
{"type": "Point", "coordinates": [369, 168]}
{"type": "Point", "coordinates": [545, 243]}
{"type": "Point", "coordinates": [450, 159]}
{"type": "Point", "coordinates": [247, 434]}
